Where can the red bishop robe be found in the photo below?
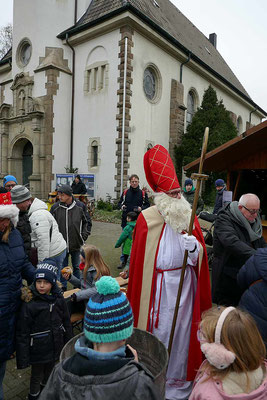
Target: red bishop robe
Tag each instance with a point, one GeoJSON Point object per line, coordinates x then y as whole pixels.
{"type": "Point", "coordinates": [142, 278]}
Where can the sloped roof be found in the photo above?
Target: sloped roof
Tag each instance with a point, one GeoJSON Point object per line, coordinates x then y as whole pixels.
{"type": "Point", "coordinates": [169, 18]}
{"type": "Point", "coordinates": [171, 23]}
{"type": "Point", "coordinates": [7, 57]}
{"type": "Point", "coordinates": [252, 141]}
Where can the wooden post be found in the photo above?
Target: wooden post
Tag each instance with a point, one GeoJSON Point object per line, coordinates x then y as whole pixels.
{"type": "Point", "coordinates": [199, 177]}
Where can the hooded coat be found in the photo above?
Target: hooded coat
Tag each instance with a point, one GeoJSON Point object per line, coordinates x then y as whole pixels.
{"type": "Point", "coordinates": [14, 266]}
{"type": "Point", "coordinates": [252, 278]}
{"type": "Point", "coordinates": [43, 327]}
{"type": "Point", "coordinates": [45, 234]}
{"type": "Point", "coordinates": [78, 377]}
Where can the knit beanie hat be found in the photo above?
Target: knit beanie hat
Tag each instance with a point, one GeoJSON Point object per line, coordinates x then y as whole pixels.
{"type": "Point", "coordinates": [47, 270]}
{"type": "Point", "coordinates": [19, 194]}
{"type": "Point", "coordinates": [65, 189]}
{"type": "Point", "coordinates": [188, 182]}
{"type": "Point", "coordinates": [219, 182]}
{"type": "Point", "coordinates": [108, 315]}
{"type": "Point", "coordinates": [9, 178]}
{"type": "Point", "coordinates": [7, 209]}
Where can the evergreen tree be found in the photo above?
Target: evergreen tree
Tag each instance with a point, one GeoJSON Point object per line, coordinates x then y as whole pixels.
{"type": "Point", "coordinates": [213, 114]}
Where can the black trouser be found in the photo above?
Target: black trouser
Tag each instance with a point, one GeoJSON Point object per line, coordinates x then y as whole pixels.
{"type": "Point", "coordinates": [39, 375]}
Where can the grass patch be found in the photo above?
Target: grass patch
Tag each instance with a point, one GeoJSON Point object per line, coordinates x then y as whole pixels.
{"type": "Point", "coordinates": [113, 216]}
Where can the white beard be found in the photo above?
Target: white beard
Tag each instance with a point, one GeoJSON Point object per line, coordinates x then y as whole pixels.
{"type": "Point", "coordinates": [176, 212]}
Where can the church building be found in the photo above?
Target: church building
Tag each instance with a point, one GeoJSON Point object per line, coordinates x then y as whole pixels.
{"type": "Point", "coordinates": [92, 84]}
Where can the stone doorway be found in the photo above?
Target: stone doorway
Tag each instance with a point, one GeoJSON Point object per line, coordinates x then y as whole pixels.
{"type": "Point", "coordinates": [21, 161]}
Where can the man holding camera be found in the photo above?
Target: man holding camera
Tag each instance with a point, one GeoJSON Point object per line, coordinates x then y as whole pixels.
{"type": "Point", "coordinates": [132, 199]}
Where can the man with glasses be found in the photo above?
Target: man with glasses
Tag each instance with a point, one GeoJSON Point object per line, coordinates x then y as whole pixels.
{"type": "Point", "coordinates": [237, 236]}
{"type": "Point", "coordinates": [9, 182]}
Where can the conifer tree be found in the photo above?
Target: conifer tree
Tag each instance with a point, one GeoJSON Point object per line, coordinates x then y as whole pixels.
{"type": "Point", "coordinates": [213, 114]}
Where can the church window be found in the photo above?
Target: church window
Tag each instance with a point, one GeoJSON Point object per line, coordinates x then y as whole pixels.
{"type": "Point", "coordinates": [152, 83]}
{"type": "Point", "coordinates": [239, 125]}
{"type": "Point", "coordinates": [191, 107]}
{"type": "Point", "coordinates": [24, 52]}
{"type": "Point", "coordinates": [96, 77]}
{"type": "Point", "coordinates": [94, 156]}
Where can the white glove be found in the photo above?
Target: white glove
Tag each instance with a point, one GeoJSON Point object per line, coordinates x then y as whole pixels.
{"type": "Point", "coordinates": [190, 242]}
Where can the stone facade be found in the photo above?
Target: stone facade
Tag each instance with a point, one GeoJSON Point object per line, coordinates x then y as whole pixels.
{"type": "Point", "coordinates": [126, 32]}
{"type": "Point", "coordinates": [177, 115]}
{"type": "Point", "coordinates": [28, 121]}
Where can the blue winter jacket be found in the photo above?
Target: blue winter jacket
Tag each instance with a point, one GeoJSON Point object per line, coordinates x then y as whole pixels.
{"type": "Point", "coordinates": [254, 299]}
{"type": "Point", "coordinates": [14, 266]}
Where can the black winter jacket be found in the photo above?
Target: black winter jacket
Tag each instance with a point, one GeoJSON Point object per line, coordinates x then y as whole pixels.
{"type": "Point", "coordinates": [73, 223]}
{"type": "Point", "coordinates": [14, 266]}
{"type": "Point", "coordinates": [218, 201]}
{"type": "Point", "coordinates": [252, 278]}
{"type": "Point", "coordinates": [132, 199]}
{"type": "Point", "coordinates": [43, 328]}
{"type": "Point", "coordinates": [78, 188]}
{"type": "Point", "coordinates": [24, 227]}
{"type": "Point", "coordinates": [189, 196]}
{"type": "Point", "coordinates": [232, 248]}
{"type": "Point", "coordinates": [80, 378]}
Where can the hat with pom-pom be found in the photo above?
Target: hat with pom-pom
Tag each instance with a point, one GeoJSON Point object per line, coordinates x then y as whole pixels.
{"type": "Point", "coordinates": [108, 315]}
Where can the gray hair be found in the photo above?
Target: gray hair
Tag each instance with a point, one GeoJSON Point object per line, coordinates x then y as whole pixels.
{"type": "Point", "coordinates": [245, 197]}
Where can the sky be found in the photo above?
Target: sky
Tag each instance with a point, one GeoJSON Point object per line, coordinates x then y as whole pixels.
{"type": "Point", "coordinates": [241, 30]}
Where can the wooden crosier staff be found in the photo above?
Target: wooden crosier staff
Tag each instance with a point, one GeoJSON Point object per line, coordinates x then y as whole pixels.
{"type": "Point", "coordinates": [199, 177]}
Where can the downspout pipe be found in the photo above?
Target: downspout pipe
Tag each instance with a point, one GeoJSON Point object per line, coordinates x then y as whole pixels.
{"type": "Point", "coordinates": [251, 112]}
{"type": "Point", "coordinates": [123, 111]}
{"type": "Point", "coordinates": [72, 88]}
{"type": "Point", "coordinates": [72, 100]}
{"type": "Point", "coordinates": [181, 66]}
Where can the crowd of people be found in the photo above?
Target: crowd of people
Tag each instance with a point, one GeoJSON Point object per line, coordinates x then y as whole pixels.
{"type": "Point", "coordinates": [39, 242]}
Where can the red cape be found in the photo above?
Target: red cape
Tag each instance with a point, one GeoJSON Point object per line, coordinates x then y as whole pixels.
{"type": "Point", "coordinates": [146, 239]}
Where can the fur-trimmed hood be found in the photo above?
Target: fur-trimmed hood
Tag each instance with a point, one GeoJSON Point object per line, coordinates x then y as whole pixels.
{"type": "Point", "coordinates": [10, 211]}
{"type": "Point", "coordinates": [29, 292]}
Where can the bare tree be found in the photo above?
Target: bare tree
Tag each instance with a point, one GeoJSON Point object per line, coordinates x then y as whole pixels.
{"type": "Point", "coordinates": [5, 39]}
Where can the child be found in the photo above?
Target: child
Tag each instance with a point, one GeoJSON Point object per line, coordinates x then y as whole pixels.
{"type": "Point", "coordinates": [126, 238]}
{"type": "Point", "coordinates": [102, 366]}
{"type": "Point", "coordinates": [94, 268]}
{"type": "Point", "coordinates": [235, 366]}
{"type": "Point", "coordinates": [43, 326]}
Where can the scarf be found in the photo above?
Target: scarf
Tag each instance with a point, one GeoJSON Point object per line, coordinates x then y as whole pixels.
{"type": "Point", "coordinates": [91, 354]}
{"type": "Point", "coordinates": [254, 229]}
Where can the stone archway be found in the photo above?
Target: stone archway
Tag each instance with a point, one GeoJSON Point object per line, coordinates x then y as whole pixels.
{"type": "Point", "coordinates": [21, 160]}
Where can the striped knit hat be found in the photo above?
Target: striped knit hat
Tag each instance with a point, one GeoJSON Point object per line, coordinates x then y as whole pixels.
{"type": "Point", "coordinates": [108, 315]}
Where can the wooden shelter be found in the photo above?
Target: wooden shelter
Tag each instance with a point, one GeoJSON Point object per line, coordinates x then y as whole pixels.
{"type": "Point", "coordinates": [244, 158]}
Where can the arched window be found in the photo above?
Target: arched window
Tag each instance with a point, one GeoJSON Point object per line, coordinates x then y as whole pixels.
{"type": "Point", "coordinates": [239, 125]}
{"type": "Point", "coordinates": [191, 107]}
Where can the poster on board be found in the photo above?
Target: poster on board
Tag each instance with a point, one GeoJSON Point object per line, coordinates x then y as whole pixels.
{"type": "Point", "coordinates": [87, 179]}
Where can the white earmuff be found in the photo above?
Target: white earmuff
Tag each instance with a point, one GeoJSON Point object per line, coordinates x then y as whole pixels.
{"type": "Point", "coordinates": [216, 353]}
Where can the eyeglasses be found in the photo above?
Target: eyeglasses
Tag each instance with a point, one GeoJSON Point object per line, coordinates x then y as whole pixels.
{"type": "Point", "coordinates": [252, 211]}
{"type": "Point", "coordinates": [174, 193]}
{"type": "Point", "coordinates": [11, 185]}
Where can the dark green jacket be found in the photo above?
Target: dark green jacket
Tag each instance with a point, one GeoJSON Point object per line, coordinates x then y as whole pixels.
{"type": "Point", "coordinates": [189, 196]}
